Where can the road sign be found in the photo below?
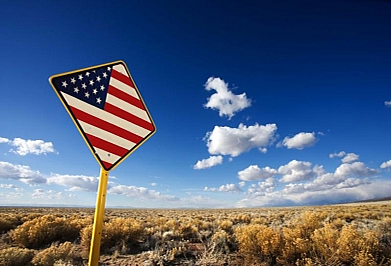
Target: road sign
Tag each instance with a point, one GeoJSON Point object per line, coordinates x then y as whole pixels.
{"type": "Point", "coordinates": [106, 107]}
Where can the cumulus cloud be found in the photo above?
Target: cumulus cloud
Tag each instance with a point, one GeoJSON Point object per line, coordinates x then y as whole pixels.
{"type": "Point", "coordinates": [7, 186]}
{"type": "Point", "coordinates": [350, 157]}
{"type": "Point", "coordinates": [354, 169]}
{"type": "Point", "coordinates": [235, 141]}
{"type": "Point", "coordinates": [339, 154]}
{"type": "Point", "coordinates": [347, 157]}
{"type": "Point", "coordinates": [253, 172]}
{"type": "Point", "coordinates": [4, 140]}
{"type": "Point", "coordinates": [386, 164]}
{"type": "Point", "coordinates": [349, 190]}
{"type": "Point", "coordinates": [225, 188]}
{"type": "Point", "coordinates": [24, 147]}
{"type": "Point", "coordinates": [224, 100]}
{"type": "Point", "coordinates": [22, 173]}
{"type": "Point", "coordinates": [140, 192]}
{"type": "Point", "coordinates": [267, 186]}
{"type": "Point", "coordinates": [296, 171]}
{"type": "Point", "coordinates": [208, 163]}
{"type": "Point", "coordinates": [345, 171]}
{"type": "Point", "coordinates": [75, 182]}
{"type": "Point", "coordinates": [387, 103]}
{"type": "Point", "coordinates": [299, 141]}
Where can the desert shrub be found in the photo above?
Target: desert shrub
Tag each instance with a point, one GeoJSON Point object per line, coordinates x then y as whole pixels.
{"type": "Point", "coordinates": [63, 253]}
{"type": "Point", "coordinates": [358, 247]}
{"type": "Point", "coordinates": [297, 237]}
{"type": "Point", "coordinates": [14, 256]}
{"type": "Point", "coordinates": [225, 225]}
{"type": "Point", "coordinates": [44, 230]}
{"type": "Point", "coordinates": [188, 231]}
{"type": "Point", "coordinates": [258, 242]}
{"type": "Point", "coordinates": [120, 234]}
{"type": "Point", "coordinates": [221, 242]}
{"type": "Point", "coordinates": [324, 243]}
{"type": "Point", "coordinates": [8, 222]}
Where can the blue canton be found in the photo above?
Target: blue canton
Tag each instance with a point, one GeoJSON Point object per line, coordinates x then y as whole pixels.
{"type": "Point", "coordinates": [89, 86]}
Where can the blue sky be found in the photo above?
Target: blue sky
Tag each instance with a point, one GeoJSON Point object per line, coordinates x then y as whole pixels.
{"type": "Point", "coordinates": [256, 103]}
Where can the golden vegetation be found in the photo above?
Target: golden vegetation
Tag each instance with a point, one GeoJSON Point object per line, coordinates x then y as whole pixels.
{"type": "Point", "coordinates": [329, 235]}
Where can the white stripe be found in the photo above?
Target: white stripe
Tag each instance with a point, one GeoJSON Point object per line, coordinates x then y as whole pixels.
{"type": "Point", "coordinates": [128, 107]}
{"type": "Point", "coordinates": [106, 116]}
{"type": "Point", "coordinates": [123, 87]}
{"type": "Point", "coordinates": [107, 136]}
{"type": "Point", "coordinates": [120, 68]}
{"type": "Point", "coordinates": [106, 156]}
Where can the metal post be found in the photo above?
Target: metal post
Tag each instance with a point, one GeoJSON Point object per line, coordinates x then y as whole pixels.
{"type": "Point", "coordinates": [98, 218]}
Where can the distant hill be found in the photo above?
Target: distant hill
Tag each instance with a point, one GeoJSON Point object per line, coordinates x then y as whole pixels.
{"type": "Point", "coordinates": [374, 200]}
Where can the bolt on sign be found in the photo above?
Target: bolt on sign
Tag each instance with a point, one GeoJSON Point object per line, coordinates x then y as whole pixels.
{"type": "Point", "coordinates": [106, 106]}
{"type": "Point", "coordinates": [107, 109]}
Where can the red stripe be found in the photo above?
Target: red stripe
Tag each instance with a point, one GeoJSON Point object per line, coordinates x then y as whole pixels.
{"type": "Point", "coordinates": [106, 164]}
{"type": "Point", "coordinates": [107, 146]}
{"type": "Point", "coordinates": [125, 97]}
{"type": "Point", "coordinates": [121, 77]}
{"type": "Point", "coordinates": [92, 120]}
{"type": "Point", "coordinates": [128, 116]}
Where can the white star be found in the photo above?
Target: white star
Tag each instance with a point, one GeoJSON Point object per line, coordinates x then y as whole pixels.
{"type": "Point", "coordinates": [94, 91]}
{"type": "Point", "coordinates": [84, 86]}
{"type": "Point", "coordinates": [102, 88]}
{"type": "Point", "coordinates": [105, 75]}
{"type": "Point", "coordinates": [94, 71]}
{"type": "Point", "coordinates": [98, 78]}
{"type": "Point", "coordinates": [76, 90]}
{"type": "Point", "coordinates": [98, 100]}
{"type": "Point", "coordinates": [91, 82]}
{"type": "Point", "coordinates": [108, 68]}
{"type": "Point", "coordinates": [80, 77]}
{"type": "Point", "coordinates": [64, 84]}
{"type": "Point", "coordinates": [87, 95]}
{"type": "Point", "coordinates": [88, 74]}
{"type": "Point", "coordinates": [73, 80]}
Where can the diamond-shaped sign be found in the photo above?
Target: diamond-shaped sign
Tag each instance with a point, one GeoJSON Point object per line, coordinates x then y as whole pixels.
{"type": "Point", "coordinates": [106, 106]}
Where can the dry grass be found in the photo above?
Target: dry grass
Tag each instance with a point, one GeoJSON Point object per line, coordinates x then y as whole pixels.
{"type": "Point", "coordinates": [328, 235]}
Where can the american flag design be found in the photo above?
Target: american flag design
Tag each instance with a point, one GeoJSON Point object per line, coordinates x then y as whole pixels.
{"type": "Point", "coordinates": [107, 107]}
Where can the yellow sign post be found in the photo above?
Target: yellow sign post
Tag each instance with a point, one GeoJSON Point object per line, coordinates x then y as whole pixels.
{"type": "Point", "coordinates": [107, 109]}
{"type": "Point", "coordinates": [98, 218]}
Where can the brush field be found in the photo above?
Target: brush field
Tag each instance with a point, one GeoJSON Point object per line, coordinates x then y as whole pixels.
{"type": "Point", "coordinates": [358, 234]}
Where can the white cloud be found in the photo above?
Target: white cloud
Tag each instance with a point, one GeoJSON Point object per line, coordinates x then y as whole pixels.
{"type": "Point", "coordinates": [225, 188]}
{"type": "Point", "coordinates": [299, 141]}
{"type": "Point", "coordinates": [267, 186]}
{"type": "Point", "coordinates": [306, 194]}
{"type": "Point", "coordinates": [75, 182]}
{"type": "Point", "coordinates": [224, 100]}
{"type": "Point", "coordinates": [4, 140]}
{"type": "Point", "coordinates": [350, 157]}
{"type": "Point", "coordinates": [347, 157]}
{"type": "Point", "coordinates": [208, 163]}
{"type": "Point", "coordinates": [387, 103]}
{"type": "Point", "coordinates": [296, 171]}
{"type": "Point", "coordinates": [235, 141]}
{"type": "Point", "coordinates": [153, 184]}
{"type": "Point", "coordinates": [22, 173]}
{"type": "Point", "coordinates": [140, 192]}
{"type": "Point", "coordinates": [253, 172]}
{"type": "Point", "coordinates": [24, 147]}
{"type": "Point", "coordinates": [386, 164]}
{"type": "Point", "coordinates": [356, 169]}
{"type": "Point", "coordinates": [7, 186]}
{"type": "Point", "coordinates": [339, 154]}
